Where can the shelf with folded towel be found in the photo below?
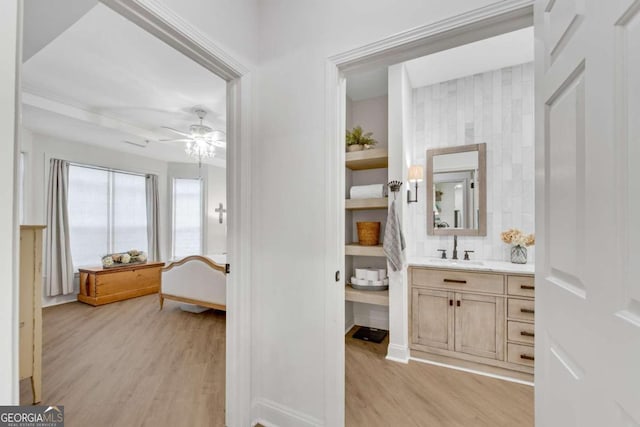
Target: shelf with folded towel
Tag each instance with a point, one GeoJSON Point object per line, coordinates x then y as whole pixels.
{"type": "Point", "coordinates": [367, 159]}
{"type": "Point", "coordinates": [364, 204]}
{"type": "Point", "coordinates": [367, 297]}
{"type": "Point", "coordinates": [359, 250]}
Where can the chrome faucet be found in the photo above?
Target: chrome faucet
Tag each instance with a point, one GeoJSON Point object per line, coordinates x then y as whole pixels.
{"type": "Point", "coordinates": [455, 247]}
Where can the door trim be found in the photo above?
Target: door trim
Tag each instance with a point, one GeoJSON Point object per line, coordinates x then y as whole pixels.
{"type": "Point", "coordinates": [488, 21]}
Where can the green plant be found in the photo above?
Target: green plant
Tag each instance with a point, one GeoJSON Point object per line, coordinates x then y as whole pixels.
{"type": "Point", "coordinates": [356, 136]}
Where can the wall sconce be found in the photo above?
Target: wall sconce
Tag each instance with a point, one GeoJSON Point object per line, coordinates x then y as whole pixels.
{"type": "Point", "coordinates": [415, 175]}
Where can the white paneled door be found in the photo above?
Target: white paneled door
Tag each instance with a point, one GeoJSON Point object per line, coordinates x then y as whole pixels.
{"type": "Point", "coordinates": [588, 212]}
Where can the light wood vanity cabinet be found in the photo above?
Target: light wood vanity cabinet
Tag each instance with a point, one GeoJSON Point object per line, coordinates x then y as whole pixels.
{"type": "Point", "coordinates": [474, 319]}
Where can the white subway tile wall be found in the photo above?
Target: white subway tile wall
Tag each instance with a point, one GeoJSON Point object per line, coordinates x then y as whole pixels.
{"type": "Point", "coordinates": [495, 107]}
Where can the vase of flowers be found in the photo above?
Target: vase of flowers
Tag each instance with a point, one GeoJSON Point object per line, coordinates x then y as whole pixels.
{"type": "Point", "coordinates": [519, 241]}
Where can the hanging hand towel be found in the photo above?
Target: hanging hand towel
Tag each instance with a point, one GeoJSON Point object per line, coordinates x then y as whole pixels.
{"type": "Point", "coordinates": [394, 240]}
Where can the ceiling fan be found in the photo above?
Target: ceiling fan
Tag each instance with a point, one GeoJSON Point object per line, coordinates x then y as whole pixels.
{"type": "Point", "coordinates": [201, 140]}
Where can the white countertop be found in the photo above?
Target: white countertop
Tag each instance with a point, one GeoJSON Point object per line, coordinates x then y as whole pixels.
{"type": "Point", "coordinates": [475, 265]}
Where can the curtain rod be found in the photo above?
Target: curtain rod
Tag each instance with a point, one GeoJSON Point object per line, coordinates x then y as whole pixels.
{"type": "Point", "coordinates": [88, 166]}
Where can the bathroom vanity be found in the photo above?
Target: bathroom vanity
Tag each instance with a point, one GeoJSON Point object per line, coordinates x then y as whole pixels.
{"type": "Point", "coordinates": [475, 315]}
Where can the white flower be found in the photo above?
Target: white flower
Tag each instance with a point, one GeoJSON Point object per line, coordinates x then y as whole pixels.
{"type": "Point", "coordinates": [107, 261]}
{"type": "Point", "coordinates": [142, 257]}
{"type": "Point", "coordinates": [125, 258]}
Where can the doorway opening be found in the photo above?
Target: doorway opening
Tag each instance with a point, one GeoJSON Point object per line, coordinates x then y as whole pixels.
{"type": "Point", "coordinates": [120, 111]}
{"type": "Point", "coordinates": [454, 89]}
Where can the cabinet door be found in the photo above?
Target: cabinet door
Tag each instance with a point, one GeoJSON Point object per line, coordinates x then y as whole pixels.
{"type": "Point", "coordinates": [479, 325]}
{"type": "Point", "coordinates": [432, 318]}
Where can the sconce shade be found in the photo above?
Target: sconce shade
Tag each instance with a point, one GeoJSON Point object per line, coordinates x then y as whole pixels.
{"type": "Point", "coordinates": [415, 173]}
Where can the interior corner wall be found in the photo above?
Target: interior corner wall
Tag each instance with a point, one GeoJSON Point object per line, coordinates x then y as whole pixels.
{"type": "Point", "coordinates": [39, 149]}
{"type": "Point", "coordinates": [400, 139]}
{"type": "Point", "coordinates": [495, 107]}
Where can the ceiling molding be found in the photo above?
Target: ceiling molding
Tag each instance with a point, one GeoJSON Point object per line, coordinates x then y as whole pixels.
{"type": "Point", "coordinates": [85, 115]}
{"type": "Point", "coordinates": [410, 40]}
{"type": "Point", "coordinates": [165, 24]}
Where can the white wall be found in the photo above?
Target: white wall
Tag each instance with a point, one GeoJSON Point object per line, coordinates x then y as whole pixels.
{"type": "Point", "coordinates": [214, 181]}
{"type": "Point", "coordinates": [289, 273]}
{"type": "Point", "coordinates": [495, 107]}
{"type": "Point", "coordinates": [8, 298]}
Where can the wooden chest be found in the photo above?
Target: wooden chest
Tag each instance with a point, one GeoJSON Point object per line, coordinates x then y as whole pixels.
{"type": "Point", "coordinates": [104, 285]}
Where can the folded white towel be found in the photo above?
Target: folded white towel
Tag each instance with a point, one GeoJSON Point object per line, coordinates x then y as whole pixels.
{"type": "Point", "coordinates": [373, 191]}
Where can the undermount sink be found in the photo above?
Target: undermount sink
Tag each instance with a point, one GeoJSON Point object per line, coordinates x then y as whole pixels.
{"type": "Point", "coordinates": [456, 262]}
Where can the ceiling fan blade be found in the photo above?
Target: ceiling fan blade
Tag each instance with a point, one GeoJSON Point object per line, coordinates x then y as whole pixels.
{"type": "Point", "coordinates": [221, 144]}
{"type": "Point", "coordinates": [179, 132]}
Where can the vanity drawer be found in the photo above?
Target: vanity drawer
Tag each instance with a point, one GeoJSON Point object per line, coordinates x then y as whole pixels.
{"type": "Point", "coordinates": [521, 309]}
{"type": "Point", "coordinates": [520, 354]}
{"type": "Point", "coordinates": [520, 332]}
{"type": "Point", "coordinates": [458, 280]}
{"type": "Point", "coordinates": [521, 286]}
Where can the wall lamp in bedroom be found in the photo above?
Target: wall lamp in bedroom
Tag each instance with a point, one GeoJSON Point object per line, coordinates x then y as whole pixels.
{"type": "Point", "coordinates": [415, 176]}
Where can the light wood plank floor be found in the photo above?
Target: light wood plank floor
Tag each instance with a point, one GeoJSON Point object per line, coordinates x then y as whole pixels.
{"type": "Point", "coordinates": [128, 364]}
{"type": "Point", "coordinates": [383, 393]}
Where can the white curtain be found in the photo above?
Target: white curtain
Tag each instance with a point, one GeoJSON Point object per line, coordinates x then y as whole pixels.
{"type": "Point", "coordinates": [153, 223]}
{"type": "Point", "coordinates": [58, 263]}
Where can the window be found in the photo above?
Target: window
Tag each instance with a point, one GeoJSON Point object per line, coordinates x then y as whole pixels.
{"type": "Point", "coordinates": [107, 213]}
{"type": "Point", "coordinates": [187, 217]}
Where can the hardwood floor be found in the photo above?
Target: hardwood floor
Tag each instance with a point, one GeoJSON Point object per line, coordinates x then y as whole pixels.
{"type": "Point", "coordinates": [383, 393]}
{"type": "Point", "coordinates": [129, 364]}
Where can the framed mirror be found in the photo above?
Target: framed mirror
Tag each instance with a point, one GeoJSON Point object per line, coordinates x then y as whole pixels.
{"type": "Point", "coordinates": [457, 191]}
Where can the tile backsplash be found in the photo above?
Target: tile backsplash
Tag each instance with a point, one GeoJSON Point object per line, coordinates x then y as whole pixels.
{"type": "Point", "coordinates": [495, 107]}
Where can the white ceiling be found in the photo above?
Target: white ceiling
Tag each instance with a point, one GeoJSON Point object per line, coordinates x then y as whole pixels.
{"type": "Point", "coordinates": [104, 80]}
{"type": "Point", "coordinates": [489, 54]}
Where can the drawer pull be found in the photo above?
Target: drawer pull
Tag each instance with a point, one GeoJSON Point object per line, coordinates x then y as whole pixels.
{"type": "Point", "coordinates": [527, 310]}
{"type": "Point", "coordinates": [527, 334]}
{"type": "Point", "coordinates": [451, 302]}
{"type": "Point", "coordinates": [527, 287]}
{"type": "Point", "coordinates": [526, 357]}
{"type": "Point", "coordinates": [454, 281]}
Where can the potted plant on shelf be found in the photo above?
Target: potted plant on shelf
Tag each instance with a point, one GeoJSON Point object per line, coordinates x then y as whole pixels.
{"type": "Point", "coordinates": [358, 140]}
{"type": "Point", "coordinates": [520, 242]}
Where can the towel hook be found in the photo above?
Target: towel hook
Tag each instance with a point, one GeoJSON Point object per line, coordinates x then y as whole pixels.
{"type": "Point", "coordinates": [394, 187]}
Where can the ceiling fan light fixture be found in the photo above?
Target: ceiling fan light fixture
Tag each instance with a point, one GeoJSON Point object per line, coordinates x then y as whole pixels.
{"type": "Point", "coordinates": [200, 149]}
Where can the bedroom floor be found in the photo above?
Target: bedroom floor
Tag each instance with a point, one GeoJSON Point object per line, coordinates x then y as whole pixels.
{"type": "Point", "coordinates": [128, 363]}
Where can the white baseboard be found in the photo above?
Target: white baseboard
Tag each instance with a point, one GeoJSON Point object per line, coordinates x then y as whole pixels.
{"type": "Point", "coordinates": [398, 353]}
{"type": "Point", "coordinates": [349, 327]}
{"type": "Point", "coordinates": [272, 414]}
{"type": "Point", "coordinates": [59, 300]}
{"type": "Point", "coordinates": [473, 371]}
